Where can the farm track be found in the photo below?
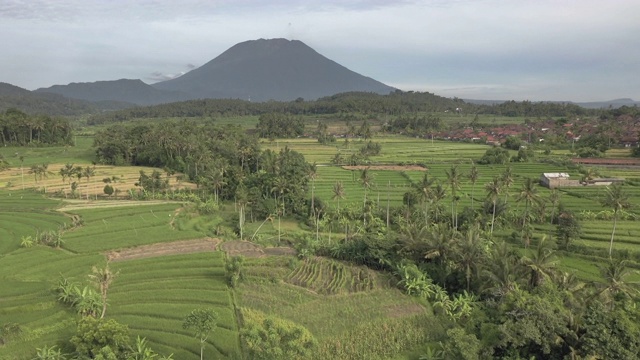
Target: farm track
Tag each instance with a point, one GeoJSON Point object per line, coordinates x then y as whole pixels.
{"type": "Point", "coordinates": [163, 249]}
{"type": "Point", "coordinates": [233, 248]}
{"type": "Point", "coordinates": [78, 204]}
{"type": "Point", "coordinates": [249, 249]}
{"type": "Point", "coordinates": [387, 167]}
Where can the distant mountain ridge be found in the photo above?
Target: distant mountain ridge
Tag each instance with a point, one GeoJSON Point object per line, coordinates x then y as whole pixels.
{"type": "Point", "coordinates": [274, 69]}
{"type": "Point", "coordinates": [12, 96]}
{"type": "Point", "coordinates": [123, 90]}
{"type": "Point", "coordinates": [256, 70]}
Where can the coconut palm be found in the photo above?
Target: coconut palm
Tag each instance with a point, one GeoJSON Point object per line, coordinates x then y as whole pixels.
{"type": "Point", "coordinates": [313, 173]}
{"type": "Point", "coordinates": [453, 177]}
{"type": "Point", "coordinates": [528, 194]}
{"type": "Point", "coordinates": [503, 271]}
{"type": "Point", "coordinates": [618, 200]}
{"type": "Point", "coordinates": [506, 179]}
{"type": "Point", "coordinates": [102, 278]}
{"type": "Point", "coordinates": [554, 199]}
{"type": "Point", "coordinates": [473, 177]}
{"type": "Point", "coordinates": [616, 282]}
{"type": "Point", "coordinates": [366, 179]}
{"type": "Point", "coordinates": [438, 194]}
{"type": "Point", "coordinates": [541, 263]}
{"type": "Point", "coordinates": [469, 254]}
{"type": "Point", "coordinates": [493, 188]}
{"type": "Point", "coordinates": [423, 188]}
{"type": "Point", "coordinates": [338, 192]}
{"type": "Point", "coordinates": [242, 199]}
{"type": "Point", "coordinates": [67, 172]}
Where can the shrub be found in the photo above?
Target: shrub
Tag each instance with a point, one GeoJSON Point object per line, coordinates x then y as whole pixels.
{"type": "Point", "coordinates": [271, 338]}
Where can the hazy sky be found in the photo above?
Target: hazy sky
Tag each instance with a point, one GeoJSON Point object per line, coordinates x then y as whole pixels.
{"type": "Point", "coordinates": [578, 50]}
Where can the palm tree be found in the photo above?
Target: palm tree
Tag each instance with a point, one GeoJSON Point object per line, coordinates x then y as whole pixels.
{"type": "Point", "coordinates": [366, 179]}
{"type": "Point", "coordinates": [618, 200]}
{"type": "Point", "coordinates": [507, 180]}
{"type": "Point", "coordinates": [89, 172]}
{"type": "Point", "coordinates": [102, 278]}
{"type": "Point", "coordinates": [502, 272]}
{"type": "Point", "coordinates": [440, 242]}
{"type": "Point", "coordinates": [35, 170]}
{"type": "Point", "coordinates": [470, 253]}
{"type": "Point", "coordinates": [22, 170]}
{"type": "Point", "coordinates": [313, 173]}
{"type": "Point", "coordinates": [280, 186]}
{"type": "Point", "coordinates": [554, 199]}
{"type": "Point", "coordinates": [217, 182]}
{"type": "Point", "coordinates": [541, 263]}
{"type": "Point", "coordinates": [493, 189]}
{"type": "Point", "coordinates": [528, 194]}
{"type": "Point", "coordinates": [67, 172]}
{"type": "Point", "coordinates": [338, 192]}
{"type": "Point", "coordinates": [588, 175]}
{"type": "Point", "coordinates": [453, 176]}
{"type": "Point", "coordinates": [615, 274]}
{"type": "Point", "coordinates": [438, 194]}
{"type": "Point", "coordinates": [473, 177]}
{"type": "Point", "coordinates": [424, 193]}
{"type": "Point", "coordinates": [242, 199]}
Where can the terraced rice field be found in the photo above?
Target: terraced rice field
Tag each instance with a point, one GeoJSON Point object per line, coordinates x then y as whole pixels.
{"type": "Point", "coordinates": [114, 228]}
{"type": "Point", "coordinates": [154, 295]}
{"type": "Point", "coordinates": [330, 277]}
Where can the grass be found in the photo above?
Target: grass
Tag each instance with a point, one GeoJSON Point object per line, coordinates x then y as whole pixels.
{"type": "Point", "coordinates": [345, 316]}
{"type": "Point", "coordinates": [154, 295]}
{"type": "Point", "coordinates": [113, 228]}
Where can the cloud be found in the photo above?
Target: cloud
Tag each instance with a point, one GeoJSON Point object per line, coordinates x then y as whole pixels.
{"type": "Point", "coordinates": [484, 45]}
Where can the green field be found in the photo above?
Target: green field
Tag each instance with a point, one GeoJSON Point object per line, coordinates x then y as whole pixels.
{"type": "Point", "coordinates": [338, 302]}
{"type": "Point", "coordinates": [154, 295]}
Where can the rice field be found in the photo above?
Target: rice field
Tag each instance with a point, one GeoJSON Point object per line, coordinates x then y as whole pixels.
{"type": "Point", "coordinates": [154, 295]}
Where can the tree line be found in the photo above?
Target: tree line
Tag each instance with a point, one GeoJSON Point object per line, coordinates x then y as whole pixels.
{"type": "Point", "coordinates": [222, 159]}
{"type": "Point", "coordinates": [20, 129]}
{"type": "Point", "coordinates": [397, 103]}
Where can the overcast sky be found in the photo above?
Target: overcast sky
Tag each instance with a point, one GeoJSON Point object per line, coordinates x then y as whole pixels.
{"type": "Point", "coordinates": [580, 50]}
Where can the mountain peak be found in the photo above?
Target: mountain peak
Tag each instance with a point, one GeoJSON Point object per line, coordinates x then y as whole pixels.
{"type": "Point", "coordinates": [271, 69]}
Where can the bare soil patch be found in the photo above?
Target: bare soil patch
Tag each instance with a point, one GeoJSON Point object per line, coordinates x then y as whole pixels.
{"type": "Point", "coordinates": [398, 311]}
{"type": "Point", "coordinates": [280, 250]}
{"type": "Point", "coordinates": [82, 204]}
{"type": "Point", "coordinates": [163, 249]}
{"type": "Point", "coordinates": [606, 161]}
{"type": "Point", "coordinates": [249, 249]}
{"type": "Point", "coordinates": [387, 167]}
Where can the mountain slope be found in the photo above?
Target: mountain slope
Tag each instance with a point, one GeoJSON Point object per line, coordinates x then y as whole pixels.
{"type": "Point", "coordinates": [275, 69]}
{"type": "Point", "coordinates": [12, 96]}
{"type": "Point", "coordinates": [123, 90]}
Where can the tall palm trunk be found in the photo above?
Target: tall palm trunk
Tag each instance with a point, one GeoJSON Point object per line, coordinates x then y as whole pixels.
{"type": "Point", "coordinates": [615, 220]}
{"type": "Point", "coordinates": [493, 216]}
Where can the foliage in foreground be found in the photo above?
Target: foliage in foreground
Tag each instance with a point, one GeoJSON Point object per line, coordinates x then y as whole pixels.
{"type": "Point", "coordinates": [271, 338]}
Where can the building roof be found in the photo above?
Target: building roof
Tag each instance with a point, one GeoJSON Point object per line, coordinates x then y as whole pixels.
{"type": "Point", "coordinates": [556, 175]}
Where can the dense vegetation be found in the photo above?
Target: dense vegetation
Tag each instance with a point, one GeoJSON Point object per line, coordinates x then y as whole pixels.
{"type": "Point", "coordinates": [394, 104]}
{"type": "Point", "coordinates": [19, 129]}
{"type": "Point", "coordinates": [491, 264]}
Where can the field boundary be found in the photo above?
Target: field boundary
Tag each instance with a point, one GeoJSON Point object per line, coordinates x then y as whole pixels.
{"type": "Point", "coordinates": [386, 167]}
{"type": "Point", "coordinates": [164, 249]}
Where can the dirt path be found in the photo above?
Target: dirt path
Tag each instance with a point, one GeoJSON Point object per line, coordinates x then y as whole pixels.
{"type": "Point", "coordinates": [78, 204]}
{"type": "Point", "coordinates": [387, 167]}
{"type": "Point", "coordinates": [233, 248]}
{"type": "Point", "coordinates": [249, 249]}
{"type": "Point", "coordinates": [163, 249]}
